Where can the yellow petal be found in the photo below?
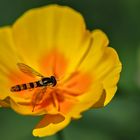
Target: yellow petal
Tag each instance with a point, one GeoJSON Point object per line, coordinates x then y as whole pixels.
{"type": "Point", "coordinates": [109, 72]}
{"type": "Point", "coordinates": [87, 100]}
{"type": "Point", "coordinates": [103, 64]}
{"type": "Point", "coordinates": [96, 47]}
{"type": "Point", "coordinates": [50, 125]}
{"type": "Point", "coordinates": [53, 27]}
{"type": "Point", "coordinates": [25, 108]}
{"type": "Point", "coordinates": [8, 60]}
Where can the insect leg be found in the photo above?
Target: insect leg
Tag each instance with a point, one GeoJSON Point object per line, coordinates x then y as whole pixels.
{"type": "Point", "coordinates": [38, 97]}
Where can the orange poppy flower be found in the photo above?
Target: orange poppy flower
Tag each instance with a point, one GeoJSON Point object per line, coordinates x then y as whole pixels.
{"type": "Point", "coordinates": [53, 41]}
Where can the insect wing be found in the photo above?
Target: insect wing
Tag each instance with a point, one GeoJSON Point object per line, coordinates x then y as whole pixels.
{"type": "Point", "coordinates": [28, 70]}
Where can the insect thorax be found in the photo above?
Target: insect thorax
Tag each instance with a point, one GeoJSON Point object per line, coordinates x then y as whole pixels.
{"type": "Point", "coordinates": [49, 81]}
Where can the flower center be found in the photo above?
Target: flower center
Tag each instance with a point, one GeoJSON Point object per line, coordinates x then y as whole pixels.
{"type": "Point", "coordinates": [63, 94]}
{"type": "Point", "coordinates": [52, 97]}
{"type": "Point", "coordinates": [62, 97]}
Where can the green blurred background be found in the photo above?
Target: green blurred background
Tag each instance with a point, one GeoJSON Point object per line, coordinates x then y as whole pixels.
{"type": "Point", "coordinates": [120, 120]}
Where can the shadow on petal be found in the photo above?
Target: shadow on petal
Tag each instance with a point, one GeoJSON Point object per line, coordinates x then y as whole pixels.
{"type": "Point", "coordinates": [100, 102]}
{"type": "Point", "coordinates": [48, 119]}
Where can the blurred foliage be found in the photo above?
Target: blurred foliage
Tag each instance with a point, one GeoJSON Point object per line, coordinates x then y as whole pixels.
{"type": "Point", "coordinates": [120, 119]}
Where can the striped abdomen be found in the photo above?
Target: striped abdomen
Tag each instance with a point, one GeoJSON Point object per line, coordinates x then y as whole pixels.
{"type": "Point", "coordinates": [26, 86]}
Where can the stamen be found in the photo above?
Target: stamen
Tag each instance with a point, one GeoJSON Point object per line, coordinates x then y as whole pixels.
{"type": "Point", "coordinates": [55, 101]}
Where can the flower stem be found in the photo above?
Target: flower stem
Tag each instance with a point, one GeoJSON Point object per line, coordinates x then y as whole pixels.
{"type": "Point", "coordinates": [60, 135]}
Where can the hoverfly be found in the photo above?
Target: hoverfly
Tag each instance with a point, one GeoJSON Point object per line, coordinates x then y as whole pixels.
{"type": "Point", "coordinates": [42, 83]}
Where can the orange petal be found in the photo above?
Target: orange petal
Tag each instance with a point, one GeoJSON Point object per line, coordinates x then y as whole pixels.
{"type": "Point", "coordinates": [50, 125]}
